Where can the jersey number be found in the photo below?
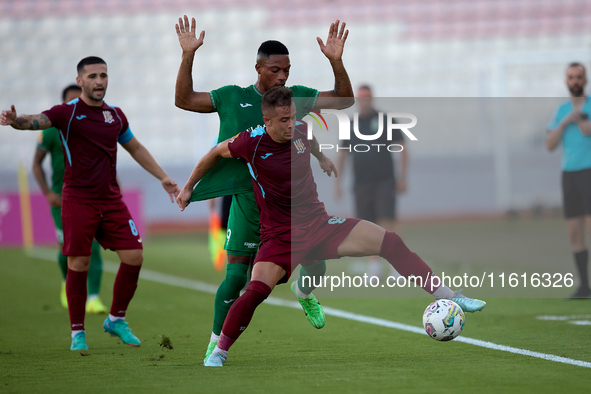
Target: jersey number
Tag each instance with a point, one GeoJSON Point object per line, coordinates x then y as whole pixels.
{"type": "Point", "coordinates": [133, 228]}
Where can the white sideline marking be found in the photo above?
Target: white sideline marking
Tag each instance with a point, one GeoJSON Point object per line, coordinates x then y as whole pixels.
{"type": "Point", "coordinates": [158, 277]}
{"type": "Point", "coordinates": [561, 318]}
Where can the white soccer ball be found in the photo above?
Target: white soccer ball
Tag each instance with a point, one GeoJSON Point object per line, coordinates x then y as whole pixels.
{"type": "Point", "coordinates": [443, 320]}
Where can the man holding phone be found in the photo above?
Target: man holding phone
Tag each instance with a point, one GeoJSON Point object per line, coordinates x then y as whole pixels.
{"type": "Point", "coordinates": [571, 126]}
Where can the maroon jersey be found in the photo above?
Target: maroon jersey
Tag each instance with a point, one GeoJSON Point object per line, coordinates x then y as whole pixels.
{"type": "Point", "coordinates": [89, 139]}
{"type": "Point", "coordinates": [283, 183]}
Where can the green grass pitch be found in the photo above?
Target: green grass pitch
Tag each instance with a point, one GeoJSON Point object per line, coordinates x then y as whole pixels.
{"type": "Point", "coordinates": [280, 351]}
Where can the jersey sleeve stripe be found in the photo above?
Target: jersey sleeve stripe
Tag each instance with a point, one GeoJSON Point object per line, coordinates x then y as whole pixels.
{"type": "Point", "coordinates": [255, 178]}
{"type": "Point", "coordinates": [315, 99]}
{"type": "Point", "coordinates": [120, 121]}
{"type": "Point", "coordinates": [213, 101]}
{"type": "Point", "coordinates": [69, 123]}
{"type": "Point", "coordinates": [65, 141]}
{"type": "Point", "coordinates": [125, 137]}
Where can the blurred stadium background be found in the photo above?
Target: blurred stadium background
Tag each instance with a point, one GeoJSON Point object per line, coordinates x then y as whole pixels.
{"type": "Point", "coordinates": [421, 49]}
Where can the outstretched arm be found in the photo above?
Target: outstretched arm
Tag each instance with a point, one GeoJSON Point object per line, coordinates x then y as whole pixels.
{"type": "Point", "coordinates": [325, 163]}
{"type": "Point", "coordinates": [24, 122]}
{"type": "Point", "coordinates": [333, 50]}
{"type": "Point", "coordinates": [147, 161]}
{"type": "Point", "coordinates": [206, 164]}
{"type": "Point", "coordinates": [184, 96]}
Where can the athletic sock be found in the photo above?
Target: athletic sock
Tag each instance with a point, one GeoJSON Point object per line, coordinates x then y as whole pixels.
{"type": "Point", "coordinates": [228, 292]}
{"type": "Point", "coordinates": [124, 288]}
{"type": "Point", "coordinates": [76, 293]}
{"type": "Point", "coordinates": [115, 318]}
{"type": "Point", "coordinates": [214, 337]}
{"type": "Point", "coordinates": [63, 263]}
{"type": "Point", "coordinates": [299, 292]}
{"type": "Point", "coordinates": [581, 259]}
{"type": "Point", "coordinates": [76, 332]}
{"type": "Point", "coordinates": [313, 274]}
{"type": "Point", "coordinates": [95, 272]}
{"type": "Point", "coordinates": [408, 263]}
{"type": "Point", "coordinates": [218, 350]}
{"type": "Point", "coordinates": [241, 313]}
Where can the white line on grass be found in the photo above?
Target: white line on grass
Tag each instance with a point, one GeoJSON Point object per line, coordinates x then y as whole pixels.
{"type": "Point", "coordinates": [158, 277]}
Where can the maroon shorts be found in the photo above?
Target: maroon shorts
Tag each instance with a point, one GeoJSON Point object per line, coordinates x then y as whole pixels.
{"type": "Point", "coordinates": [315, 240]}
{"type": "Point", "coordinates": [109, 222]}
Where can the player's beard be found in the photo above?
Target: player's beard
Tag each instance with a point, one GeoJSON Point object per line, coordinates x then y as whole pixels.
{"type": "Point", "coordinates": [576, 92]}
{"type": "Point", "coordinates": [93, 96]}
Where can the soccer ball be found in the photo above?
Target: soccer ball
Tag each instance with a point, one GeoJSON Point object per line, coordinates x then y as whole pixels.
{"type": "Point", "coordinates": [443, 320]}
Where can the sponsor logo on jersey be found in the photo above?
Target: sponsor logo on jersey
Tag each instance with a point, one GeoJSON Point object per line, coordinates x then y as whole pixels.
{"type": "Point", "coordinates": [108, 117]}
{"type": "Point", "coordinates": [336, 220]}
{"type": "Point", "coordinates": [299, 144]}
{"type": "Point", "coordinates": [84, 116]}
{"type": "Point", "coordinates": [245, 105]}
{"type": "Point", "coordinates": [229, 301]}
{"type": "Point", "coordinates": [265, 156]}
{"type": "Point", "coordinates": [251, 245]}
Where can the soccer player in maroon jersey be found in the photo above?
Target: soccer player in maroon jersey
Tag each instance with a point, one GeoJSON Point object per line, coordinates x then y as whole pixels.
{"type": "Point", "coordinates": [294, 223]}
{"type": "Point", "coordinates": [92, 206]}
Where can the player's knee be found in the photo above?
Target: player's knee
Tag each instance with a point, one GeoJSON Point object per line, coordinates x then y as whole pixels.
{"type": "Point", "coordinates": [234, 259]}
{"type": "Point", "coordinates": [135, 258]}
{"type": "Point", "coordinates": [79, 263]}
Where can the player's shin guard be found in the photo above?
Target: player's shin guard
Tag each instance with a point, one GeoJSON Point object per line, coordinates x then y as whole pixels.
{"type": "Point", "coordinates": [241, 313]}
{"type": "Point", "coordinates": [408, 264]}
{"type": "Point", "coordinates": [124, 288]}
{"type": "Point", "coordinates": [95, 271]}
{"type": "Point", "coordinates": [76, 293]}
{"type": "Point", "coordinates": [228, 292]}
{"type": "Point", "coordinates": [310, 274]}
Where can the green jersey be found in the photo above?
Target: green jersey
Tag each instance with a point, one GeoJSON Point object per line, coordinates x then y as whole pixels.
{"type": "Point", "coordinates": [49, 140]}
{"type": "Point", "coordinates": [239, 110]}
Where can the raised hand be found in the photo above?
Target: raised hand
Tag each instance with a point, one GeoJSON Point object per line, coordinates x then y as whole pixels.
{"type": "Point", "coordinates": [189, 42]}
{"type": "Point", "coordinates": [335, 42]}
{"type": "Point", "coordinates": [171, 188]}
{"type": "Point", "coordinates": [7, 118]}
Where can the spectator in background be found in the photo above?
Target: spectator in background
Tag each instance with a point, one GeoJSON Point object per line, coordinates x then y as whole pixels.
{"type": "Point", "coordinates": [375, 179]}
{"type": "Point", "coordinates": [570, 125]}
{"type": "Point", "coordinates": [50, 142]}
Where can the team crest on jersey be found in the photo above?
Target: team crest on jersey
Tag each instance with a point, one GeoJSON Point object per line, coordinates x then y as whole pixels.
{"type": "Point", "coordinates": [108, 117]}
{"type": "Point", "coordinates": [299, 146]}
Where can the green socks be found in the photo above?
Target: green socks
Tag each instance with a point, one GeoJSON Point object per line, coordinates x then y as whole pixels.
{"type": "Point", "coordinates": [228, 292]}
{"type": "Point", "coordinates": [313, 273]}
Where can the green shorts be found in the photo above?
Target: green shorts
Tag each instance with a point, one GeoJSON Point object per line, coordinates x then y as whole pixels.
{"type": "Point", "coordinates": [243, 236]}
{"type": "Point", "coordinates": [56, 213]}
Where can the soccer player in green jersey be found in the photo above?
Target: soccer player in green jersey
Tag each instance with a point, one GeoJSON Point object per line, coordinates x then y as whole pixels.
{"type": "Point", "coordinates": [49, 142]}
{"type": "Point", "coordinates": [239, 109]}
